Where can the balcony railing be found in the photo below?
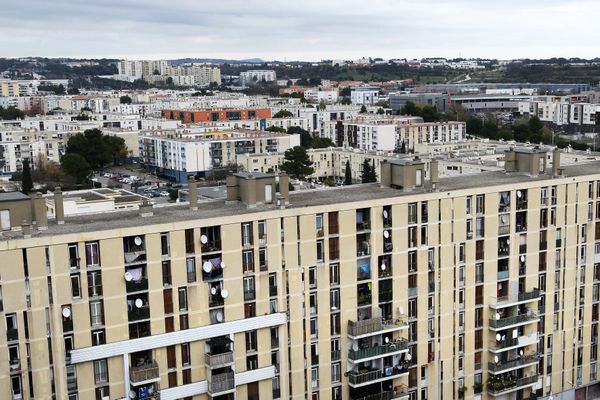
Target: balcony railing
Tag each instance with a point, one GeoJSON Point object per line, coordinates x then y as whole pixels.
{"type": "Point", "coordinates": [249, 295]}
{"type": "Point", "coordinates": [523, 360]}
{"type": "Point", "coordinates": [221, 383]}
{"type": "Point", "coordinates": [217, 360]}
{"type": "Point", "coordinates": [380, 350]}
{"type": "Point", "coordinates": [361, 378]}
{"type": "Point", "coordinates": [509, 385]}
{"type": "Point", "coordinates": [385, 295]}
{"type": "Point", "coordinates": [137, 314]}
{"type": "Point", "coordinates": [524, 296]}
{"type": "Point", "coordinates": [516, 319]}
{"type": "Point", "coordinates": [372, 325]}
{"type": "Point", "coordinates": [336, 355]}
{"type": "Point", "coordinates": [144, 372]}
{"type": "Point", "coordinates": [211, 246]}
{"type": "Point", "coordinates": [502, 275]}
{"type": "Point", "coordinates": [133, 286]}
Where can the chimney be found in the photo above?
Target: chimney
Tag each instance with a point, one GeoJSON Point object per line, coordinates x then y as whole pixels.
{"type": "Point", "coordinates": [556, 169]}
{"type": "Point", "coordinates": [284, 188]}
{"type": "Point", "coordinates": [434, 173]}
{"type": "Point", "coordinates": [146, 209]}
{"type": "Point", "coordinates": [193, 193]}
{"type": "Point", "coordinates": [40, 215]}
{"type": "Point", "coordinates": [233, 189]}
{"type": "Point", "coordinates": [26, 229]}
{"type": "Point", "coordinates": [59, 207]}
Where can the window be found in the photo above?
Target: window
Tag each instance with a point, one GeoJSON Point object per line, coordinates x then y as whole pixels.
{"type": "Point", "coordinates": [469, 207]}
{"type": "Point", "coordinates": [98, 337]}
{"type": "Point", "coordinates": [96, 313]}
{"type": "Point", "coordinates": [336, 372]}
{"type": "Point", "coordinates": [166, 272]}
{"type": "Point", "coordinates": [100, 371]}
{"type": "Point", "coordinates": [251, 341]}
{"type": "Point", "coordinates": [73, 256]}
{"type": "Point", "coordinates": [191, 269]}
{"type": "Point", "coordinates": [249, 293]}
{"type": "Point", "coordinates": [412, 213]}
{"type": "Point", "coordinates": [334, 299]}
{"type": "Point", "coordinates": [312, 277]}
{"type": "Point", "coordinates": [480, 204]}
{"type": "Point", "coordinates": [247, 234]}
{"type": "Point", "coordinates": [94, 283]}
{"type": "Point", "coordinates": [185, 354]}
{"type": "Point", "coordinates": [251, 362]}
{"type": "Point", "coordinates": [15, 382]}
{"type": "Point", "coordinates": [319, 224]}
{"type": "Point", "coordinates": [334, 274]}
{"type": "Point", "coordinates": [248, 261]}
{"type": "Point", "coordinates": [320, 251]}
{"type": "Point", "coordinates": [164, 244]}
{"type": "Point", "coordinates": [92, 254]}
{"type": "Point", "coordinates": [75, 286]}
{"type": "Point", "coordinates": [334, 324]}
{"type": "Point", "coordinates": [183, 306]}
{"type": "Point", "coordinates": [314, 377]}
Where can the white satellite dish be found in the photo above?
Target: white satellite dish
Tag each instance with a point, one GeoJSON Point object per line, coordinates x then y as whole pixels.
{"type": "Point", "coordinates": [207, 266]}
{"type": "Point", "coordinates": [408, 356]}
{"type": "Point", "coordinates": [138, 241]}
{"type": "Point", "coordinates": [219, 316]}
{"type": "Point", "coordinates": [132, 394]}
{"type": "Point", "coordinates": [355, 346]}
{"type": "Point", "coordinates": [387, 339]}
{"type": "Point", "coordinates": [519, 194]}
{"type": "Point", "coordinates": [507, 241]}
{"type": "Point", "coordinates": [213, 290]}
{"type": "Point", "coordinates": [128, 276]}
{"type": "Point", "coordinates": [385, 214]}
{"type": "Point", "coordinates": [496, 359]}
{"type": "Point", "coordinates": [222, 264]}
{"type": "Point", "coordinates": [383, 267]}
{"type": "Point", "coordinates": [401, 309]}
{"type": "Point", "coordinates": [522, 258]}
{"type": "Point", "coordinates": [521, 352]}
{"type": "Point", "coordinates": [138, 303]}
{"type": "Point", "coordinates": [224, 293]}
{"type": "Point", "coordinates": [498, 337]}
{"type": "Point", "coordinates": [203, 239]}
{"type": "Point", "coordinates": [386, 234]}
{"type": "Point", "coordinates": [497, 316]}
{"type": "Point", "coordinates": [66, 312]}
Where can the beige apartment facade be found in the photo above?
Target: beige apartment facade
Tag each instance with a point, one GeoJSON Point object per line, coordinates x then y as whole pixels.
{"type": "Point", "coordinates": [484, 287]}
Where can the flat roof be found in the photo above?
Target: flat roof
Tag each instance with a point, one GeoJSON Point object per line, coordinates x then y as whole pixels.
{"type": "Point", "coordinates": [13, 196]}
{"type": "Point", "coordinates": [298, 200]}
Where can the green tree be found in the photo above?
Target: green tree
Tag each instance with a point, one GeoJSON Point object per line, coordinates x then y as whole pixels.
{"type": "Point", "coordinates": [321, 143]}
{"type": "Point", "coordinates": [97, 149]}
{"type": "Point", "coordinates": [26, 180]}
{"type": "Point", "coordinates": [305, 137]}
{"type": "Point", "coordinates": [76, 166]}
{"type": "Point", "coordinates": [363, 109]}
{"type": "Point", "coordinates": [346, 100]}
{"type": "Point", "coordinates": [274, 128]}
{"type": "Point", "coordinates": [322, 105]}
{"type": "Point", "coordinates": [297, 163]}
{"type": "Point", "coordinates": [366, 172]}
{"type": "Point", "coordinates": [409, 108]}
{"type": "Point", "coordinates": [125, 99]}
{"type": "Point", "coordinates": [474, 126]}
{"type": "Point", "coordinates": [348, 174]}
{"type": "Point", "coordinates": [11, 113]}
{"type": "Point", "coordinates": [283, 114]}
{"type": "Point", "coordinates": [380, 111]}
{"type": "Point", "coordinates": [373, 172]}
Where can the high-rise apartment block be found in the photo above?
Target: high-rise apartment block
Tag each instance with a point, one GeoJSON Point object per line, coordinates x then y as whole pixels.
{"type": "Point", "coordinates": [484, 287]}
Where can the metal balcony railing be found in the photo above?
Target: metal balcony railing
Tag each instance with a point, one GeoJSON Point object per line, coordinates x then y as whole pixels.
{"type": "Point", "coordinates": [400, 344]}
{"type": "Point", "coordinates": [144, 372]}
{"type": "Point", "coordinates": [221, 383]}
{"type": "Point", "coordinates": [510, 385]}
{"type": "Point", "coordinates": [372, 325]}
{"type": "Point", "coordinates": [516, 319]}
{"type": "Point", "coordinates": [216, 360]}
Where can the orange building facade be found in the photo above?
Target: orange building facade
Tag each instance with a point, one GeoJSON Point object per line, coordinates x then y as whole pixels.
{"type": "Point", "coordinates": [228, 114]}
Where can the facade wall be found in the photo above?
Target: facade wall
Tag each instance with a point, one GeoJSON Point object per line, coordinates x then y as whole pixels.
{"type": "Point", "coordinates": [217, 115]}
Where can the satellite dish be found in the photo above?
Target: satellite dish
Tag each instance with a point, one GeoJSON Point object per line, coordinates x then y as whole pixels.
{"type": "Point", "coordinates": [213, 290]}
{"type": "Point", "coordinates": [385, 214]}
{"type": "Point", "coordinates": [203, 239]}
{"type": "Point", "coordinates": [355, 346]}
{"type": "Point", "coordinates": [408, 356]}
{"type": "Point", "coordinates": [498, 337]}
{"type": "Point", "coordinates": [521, 352]}
{"type": "Point", "coordinates": [66, 312]}
{"type": "Point", "coordinates": [207, 266]}
{"type": "Point", "coordinates": [522, 258]}
{"type": "Point", "coordinates": [224, 293]}
{"type": "Point", "coordinates": [138, 241]}
{"type": "Point", "coordinates": [383, 267]}
{"type": "Point", "coordinates": [222, 264]}
{"type": "Point", "coordinates": [132, 394]}
{"type": "Point", "coordinates": [219, 316]}
{"type": "Point", "coordinates": [401, 310]}
{"type": "Point", "coordinates": [519, 194]}
{"type": "Point", "coordinates": [496, 359]}
{"type": "Point", "coordinates": [386, 234]}
{"type": "Point", "coordinates": [507, 241]}
{"type": "Point", "coordinates": [128, 276]}
{"type": "Point", "coordinates": [497, 316]}
{"type": "Point", "coordinates": [138, 303]}
{"type": "Point", "coordinates": [387, 339]}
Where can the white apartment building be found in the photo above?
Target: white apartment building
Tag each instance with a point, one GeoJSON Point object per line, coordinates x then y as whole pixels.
{"type": "Point", "coordinates": [364, 95]}
{"type": "Point", "coordinates": [329, 95]}
{"type": "Point", "coordinates": [257, 75]}
{"type": "Point", "coordinates": [131, 69]}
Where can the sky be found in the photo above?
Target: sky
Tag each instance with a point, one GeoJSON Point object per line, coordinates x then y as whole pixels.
{"type": "Point", "coordinates": [308, 30]}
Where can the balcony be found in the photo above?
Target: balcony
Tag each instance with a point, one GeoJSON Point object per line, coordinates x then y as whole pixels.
{"type": "Point", "coordinates": [218, 360]}
{"type": "Point", "coordinates": [336, 355]}
{"type": "Point", "coordinates": [358, 379]}
{"type": "Point", "coordinates": [249, 295]}
{"type": "Point", "coordinates": [144, 373]}
{"type": "Point", "coordinates": [523, 361]}
{"type": "Point", "coordinates": [138, 314]}
{"type": "Point", "coordinates": [221, 383]}
{"type": "Point", "coordinates": [522, 319]}
{"type": "Point", "coordinates": [399, 392]}
{"type": "Point", "coordinates": [503, 229]}
{"type": "Point", "coordinates": [398, 346]}
{"type": "Point", "coordinates": [521, 298]}
{"type": "Point", "coordinates": [135, 257]}
{"type": "Point", "coordinates": [385, 295]}
{"type": "Point", "coordinates": [374, 326]}
{"type": "Point", "coordinates": [136, 286]}
{"type": "Point", "coordinates": [364, 299]}
{"type": "Point", "coordinates": [513, 343]}
{"type": "Point", "coordinates": [507, 385]}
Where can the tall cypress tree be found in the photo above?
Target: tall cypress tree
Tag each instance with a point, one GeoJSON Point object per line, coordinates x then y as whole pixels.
{"type": "Point", "coordinates": [373, 172]}
{"type": "Point", "coordinates": [366, 172]}
{"type": "Point", "coordinates": [26, 180]}
{"type": "Point", "coordinates": [348, 174]}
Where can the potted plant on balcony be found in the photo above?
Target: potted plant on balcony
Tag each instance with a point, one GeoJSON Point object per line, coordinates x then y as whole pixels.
{"type": "Point", "coordinates": [461, 392]}
{"type": "Point", "coordinates": [477, 388]}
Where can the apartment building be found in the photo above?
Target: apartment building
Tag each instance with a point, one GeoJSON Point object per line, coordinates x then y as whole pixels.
{"type": "Point", "coordinates": [257, 75]}
{"type": "Point", "coordinates": [177, 156]}
{"type": "Point", "coordinates": [364, 95]}
{"type": "Point", "coordinates": [482, 287]}
{"type": "Point", "coordinates": [9, 88]}
{"type": "Point", "coordinates": [215, 115]}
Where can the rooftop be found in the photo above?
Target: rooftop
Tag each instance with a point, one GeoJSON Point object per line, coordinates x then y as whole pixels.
{"type": "Point", "coordinates": [169, 214]}
{"type": "Point", "coordinates": [13, 196]}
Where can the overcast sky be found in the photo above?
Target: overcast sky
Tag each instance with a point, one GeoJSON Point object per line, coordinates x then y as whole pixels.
{"type": "Point", "coordinates": [299, 29]}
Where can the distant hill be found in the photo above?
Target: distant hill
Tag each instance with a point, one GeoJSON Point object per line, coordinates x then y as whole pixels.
{"type": "Point", "coordinates": [217, 61]}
